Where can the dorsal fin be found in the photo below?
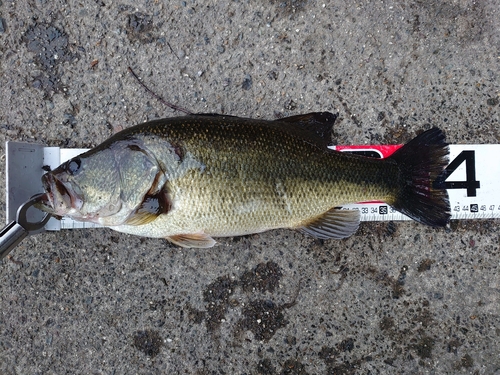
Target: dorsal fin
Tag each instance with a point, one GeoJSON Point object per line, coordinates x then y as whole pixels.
{"type": "Point", "coordinates": [335, 223]}
{"type": "Point", "coordinates": [316, 124]}
{"type": "Point", "coordinates": [212, 115]}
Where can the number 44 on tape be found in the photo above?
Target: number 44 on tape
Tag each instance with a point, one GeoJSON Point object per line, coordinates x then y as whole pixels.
{"type": "Point", "coordinates": [472, 180]}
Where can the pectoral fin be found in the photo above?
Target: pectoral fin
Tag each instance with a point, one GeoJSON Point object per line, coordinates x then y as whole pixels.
{"type": "Point", "coordinates": [151, 207]}
{"type": "Point", "coordinates": [334, 223]}
{"type": "Point", "coordinates": [197, 240]}
{"type": "Point", "coordinates": [141, 218]}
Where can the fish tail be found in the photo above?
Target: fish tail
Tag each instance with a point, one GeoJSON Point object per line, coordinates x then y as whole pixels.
{"type": "Point", "coordinates": [422, 194]}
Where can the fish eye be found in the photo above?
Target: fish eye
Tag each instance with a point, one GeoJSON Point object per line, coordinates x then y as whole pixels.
{"type": "Point", "coordinates": [73, 166]}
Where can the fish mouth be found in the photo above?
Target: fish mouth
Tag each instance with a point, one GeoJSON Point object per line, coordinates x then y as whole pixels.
{"type": "Point", "coordinates": [59, 197]}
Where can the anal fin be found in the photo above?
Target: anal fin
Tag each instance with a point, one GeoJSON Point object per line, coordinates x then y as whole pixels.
{"type": "Point", "coordinates": [197, 240]}
{"type": "Point", "coordinates": [335, 223]}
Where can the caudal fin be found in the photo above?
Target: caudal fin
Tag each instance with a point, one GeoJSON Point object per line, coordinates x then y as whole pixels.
{"type": "Point", "coordinates": [420, 162]}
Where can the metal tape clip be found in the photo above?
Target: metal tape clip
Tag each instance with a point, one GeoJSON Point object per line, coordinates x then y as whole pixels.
{"type": "Point", "coordinates": [17, 230]}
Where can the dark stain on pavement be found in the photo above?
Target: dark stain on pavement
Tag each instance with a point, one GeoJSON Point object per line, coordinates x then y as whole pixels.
{"type": "Point", "coordinates": [425, 265]}
{"type": "Point", "coordinates": [261, 316]}
{"type": "Point", "coordinates": [397, 285]}
{"type": "Point", "coordinates": [264, 277]}
{"type": "Point", "coordinates": [289, 367]}
{"type": "Point", "coordinates": [140, 27]}
{"type": "Point", "coordinates": [216, 297]}
{"type": "Point", "coordinates": [148, 341]}
{"type": "Point", "coordinates": [335, 362]}
{"type": "Point", "coordinates": [424, 347]}
{"type": "Point", "coordinates": [293, 367]}
{"type": "Point", "coordinates": [50, 47]}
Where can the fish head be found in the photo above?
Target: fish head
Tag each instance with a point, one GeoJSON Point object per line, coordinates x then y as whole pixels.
{"type": "Point", "coordinates": [104, 185]}
{"type": "Point", "coordinates": [83, 188]}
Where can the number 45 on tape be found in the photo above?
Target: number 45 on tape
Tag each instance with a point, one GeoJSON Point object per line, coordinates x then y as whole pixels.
{"type": "Point", "coordinates": [472, 179]}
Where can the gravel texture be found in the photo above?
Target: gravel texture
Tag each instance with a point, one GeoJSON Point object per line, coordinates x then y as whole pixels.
{"type": "Point", "coordinates": [396, 298]}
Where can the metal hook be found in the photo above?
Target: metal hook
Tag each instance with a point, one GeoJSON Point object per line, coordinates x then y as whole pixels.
{"type": "Point", "coordinates": [22, 215]}
{"type": "Point", "coordinates": [16, 231]}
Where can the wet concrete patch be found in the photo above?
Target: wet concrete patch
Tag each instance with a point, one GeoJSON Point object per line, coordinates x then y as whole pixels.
{"type": "Point", "coordinates": [424, 347]}
{"type": "Point", "coordinates": [262, 317]}
{"type": "Point", "coordinates": [216, 297]}
{"type": "Point", "coordinates": [465, 362]}
{"type": "Point", "coordinates": [396, 285]}
{"type": "Point", "coordinates": [264, 278]}
{"type": "Point", "coordinates": [50, 47]}
{"type": "Point", "coordinates": [148, 341]}
{"type": "Point", "coordinates": [140, 27]}
{"type": "Point", "coordinates": [289, 367]}
{"type": "Point", "coordinates": [425, 265]}
{"type": "Point", "coordinates": [265, 367]}
{"type": "Point", "coordinates": [289, 7]}
{"type": "Point", "coordinates": [293, 367]}
{"type": "Point", "coordinates": [337, 363]}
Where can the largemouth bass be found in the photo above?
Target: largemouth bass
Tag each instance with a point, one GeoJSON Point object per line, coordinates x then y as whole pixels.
{"type": "Point", "coordinates": [189, 179]}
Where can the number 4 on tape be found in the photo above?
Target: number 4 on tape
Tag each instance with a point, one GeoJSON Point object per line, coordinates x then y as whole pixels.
{"type": "Point", "coordinates": [470, 183]}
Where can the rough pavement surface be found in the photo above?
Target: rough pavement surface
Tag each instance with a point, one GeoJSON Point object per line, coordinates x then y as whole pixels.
{"type": "Point", "coordinates": [396, 298]}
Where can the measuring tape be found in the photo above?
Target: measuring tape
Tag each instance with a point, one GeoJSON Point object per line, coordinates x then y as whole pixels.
{"type": "Point", "coordinates": [473, 177]}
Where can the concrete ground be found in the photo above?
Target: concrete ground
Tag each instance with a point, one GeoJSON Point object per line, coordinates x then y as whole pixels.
{"type": "Point", "coordinates": [396, 298]}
